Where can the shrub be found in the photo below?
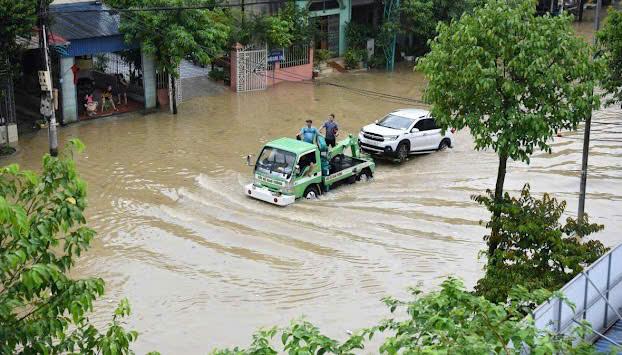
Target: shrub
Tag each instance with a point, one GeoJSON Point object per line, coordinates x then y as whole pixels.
{"type": "Point", "coordinates": [216, 75]}
{"type": "Point", "coordinates": [357, 35]}
{"type": "Point", "coordinates": [536, 250]}
{"type": "Point", "coordinates": [321, 56]}
{"type": "Point", "coordinates": [354, 57]}
{"type": "Point", "coordinates": [43, 309]}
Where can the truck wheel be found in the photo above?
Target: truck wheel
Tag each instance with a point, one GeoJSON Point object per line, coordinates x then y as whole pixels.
{"type": "Point", "coordinates": [444, 144]}
{"type": "Point", "coordinates": [311, 193]}
{"type": "Point", "coordinates": [402, 152]}
{"type": "Point", "coordinates": [365, 175]}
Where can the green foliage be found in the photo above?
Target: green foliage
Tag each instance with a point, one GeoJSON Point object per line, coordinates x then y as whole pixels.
{"type": "Point", "coordinates": [216, 75]}
{"type": "Point", "coordinates": [18, 18]}
{"type": "Point", "coordinates": [101, 63]}
{"type": "Point", "coordinates": [376, 61]}
{"type": "Point", "coordinates": [536, 250]}
{"type": "Point", "coordinates": [514, 79]}
{"type": "Point", "coordinates": [278, 32]}
{"type": "Point", "coordinates": [420, 18]}
{"type": "Point", "coordinates": [610, 45]}
{"type": "Point", "coordinates": [291, 26]}
{"type": "Point", "coordinates": [454, 321]}
{"type": "Point", "coordinates": [170, 36]}
{"type": "Point", "coordinates": [353, 57]}
{"type": "Point", "coordinates": [322, 55]}
{"type": "Point", "coordinates": [357, 35]}
{"type": "Point", "coordinates": [302, 26]}
{"type": "Point", "coordinates": [449, 321]}
{"type": "Point", "coordinates": [301, 337]}
{"type": "Point", "coordinates": [386, 33]}
{"type": "Point", "coordinates": [42, 233]}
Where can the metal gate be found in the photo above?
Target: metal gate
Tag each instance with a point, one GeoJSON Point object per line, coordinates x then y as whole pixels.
{"type": "Point", "coordinates": [251, 70]}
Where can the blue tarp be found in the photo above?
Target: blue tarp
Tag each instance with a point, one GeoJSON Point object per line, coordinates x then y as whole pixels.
{"type": "Point", "coordinates": [614, 333]}
{"type": "Point", "coordinates": [88, 28]}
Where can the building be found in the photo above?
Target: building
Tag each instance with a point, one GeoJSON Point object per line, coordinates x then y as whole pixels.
{"type": "Point", "coordinates": [333, 17]}
{"type": "Point", "coordinates": [94, 57]}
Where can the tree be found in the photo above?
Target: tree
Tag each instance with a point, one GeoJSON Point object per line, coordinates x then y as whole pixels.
{"type": "Point", "coordinates": [278, 31]}
{"type": "Point", "coordinates": [420, 18]}
{"type": "Point", "coordinates": [42, 232]}
{"type": "Point", "coordinates": [535, 251]}
{"type": "Point", "coordinates": [513, 78]}
{"type": "Point", "coordinates": [19, 19]}
{"type": "Point", "coordinates": [170, 36]}
{"type": "Point", "coordinates": [449, 321]}
{"type": "Point", "coordinates": [291, 26]}
{"type": "Point", "coordinates": [610, 45]}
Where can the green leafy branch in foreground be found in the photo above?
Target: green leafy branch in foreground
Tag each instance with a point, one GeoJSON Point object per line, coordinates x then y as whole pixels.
{"type": "Point", "coordinates": [449, 321]}
{"type": "Point", "coordinates": [42, 233]}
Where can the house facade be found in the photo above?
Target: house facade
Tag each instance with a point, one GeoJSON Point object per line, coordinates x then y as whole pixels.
{"type": "Point", "coordinates": [94, 58]}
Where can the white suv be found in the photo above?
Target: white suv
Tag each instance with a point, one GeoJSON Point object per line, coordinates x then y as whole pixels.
{"type": "Point", "coordinates": [404, 132]}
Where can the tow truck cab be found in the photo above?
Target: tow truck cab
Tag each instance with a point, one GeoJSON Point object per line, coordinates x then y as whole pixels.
{"type": "Point", "coordinates": [287, 169]}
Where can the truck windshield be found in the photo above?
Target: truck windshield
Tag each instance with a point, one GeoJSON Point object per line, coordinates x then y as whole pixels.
{"type": "Point", "coordinates": [395, 122]}
{"type": "Point", "coordinates": [276, 162]}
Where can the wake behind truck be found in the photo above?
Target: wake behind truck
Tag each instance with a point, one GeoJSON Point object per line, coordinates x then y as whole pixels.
{"type": "Point", "coordinates": [288, 169]}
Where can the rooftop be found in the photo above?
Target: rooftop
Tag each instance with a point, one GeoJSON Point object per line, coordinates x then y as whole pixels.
{"type": "Point", "coordinates": [412, 113]}
{"type": "Point", "coordinates": [79, 20]}
{"type": "Point", "coordinates": [291, 145]}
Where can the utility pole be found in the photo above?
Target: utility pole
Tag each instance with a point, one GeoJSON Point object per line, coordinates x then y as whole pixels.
{"type": "Point", "coordinates": [586, 133]}
{"type": "Point", "coordinates": [45, 53]}
{"type": "Point", "coordinates": [174, 94]}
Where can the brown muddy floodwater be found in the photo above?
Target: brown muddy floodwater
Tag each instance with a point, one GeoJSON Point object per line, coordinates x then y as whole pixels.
{"type": "Point", "coordinates": [204, 266]}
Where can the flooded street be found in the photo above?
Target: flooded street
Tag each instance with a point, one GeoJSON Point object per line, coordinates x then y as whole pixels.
{"type": "Point", "coordinates": [204, 266]}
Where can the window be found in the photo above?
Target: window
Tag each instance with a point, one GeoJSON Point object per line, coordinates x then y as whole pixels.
{"type": "Point", "coordinates": [420, 125]}
{"type": "Point", "coordinates": [276, 162]}
{"type": "Point", "coordinates": [306, 160]}
{"type": "Point", "coordinates": [323, 5]}
{"type": "Point", "coordinates": [426, 124]}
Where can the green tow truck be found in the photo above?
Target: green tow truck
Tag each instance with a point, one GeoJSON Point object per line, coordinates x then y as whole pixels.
{"type": "Point", "coordinates": [287, 169]}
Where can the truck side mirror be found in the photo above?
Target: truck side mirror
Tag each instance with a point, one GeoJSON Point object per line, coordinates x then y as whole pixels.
{"type": "Point", "coordinates": [248, 160]}
{"type": "Point", "coordinates": [297, 170]}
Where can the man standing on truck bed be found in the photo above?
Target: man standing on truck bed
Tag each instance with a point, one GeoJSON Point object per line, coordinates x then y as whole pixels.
{"type": "Point", "coordinates": [309, 133]}
{"type": "Point", "coordinates": [332, 130]}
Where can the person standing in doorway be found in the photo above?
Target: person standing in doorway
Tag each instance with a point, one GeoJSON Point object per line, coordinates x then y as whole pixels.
{"type": "Point", "coordinates": [308, 133]}
{"type": "Point", "coordinates": [331, 129]}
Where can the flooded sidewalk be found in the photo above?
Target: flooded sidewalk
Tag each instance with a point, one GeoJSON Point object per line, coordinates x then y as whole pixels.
{"type": "Point", "coordinates": [204, 266]}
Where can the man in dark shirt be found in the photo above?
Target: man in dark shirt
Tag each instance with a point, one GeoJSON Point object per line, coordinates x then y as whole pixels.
{"type": "Point", "coordinates": [331, 130]}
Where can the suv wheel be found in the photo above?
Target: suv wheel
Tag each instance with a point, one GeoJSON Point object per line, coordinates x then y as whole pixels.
{"type": "Point", "coordinates": [444, 144]}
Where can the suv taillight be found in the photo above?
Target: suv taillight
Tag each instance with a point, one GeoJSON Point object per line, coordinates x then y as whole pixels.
{"type": "Point", "coordinates": [453, 130]}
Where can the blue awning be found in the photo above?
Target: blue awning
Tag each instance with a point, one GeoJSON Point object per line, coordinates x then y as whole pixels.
{"type": "Point", "coordinates": [88, 27]}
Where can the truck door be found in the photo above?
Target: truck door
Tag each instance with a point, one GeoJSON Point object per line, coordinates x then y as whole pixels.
{"type": "Point", "coordinates": [308, 169]}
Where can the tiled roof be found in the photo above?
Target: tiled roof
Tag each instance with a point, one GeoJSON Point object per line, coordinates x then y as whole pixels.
{"type": "Point", "coordinates": [81, 20]}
